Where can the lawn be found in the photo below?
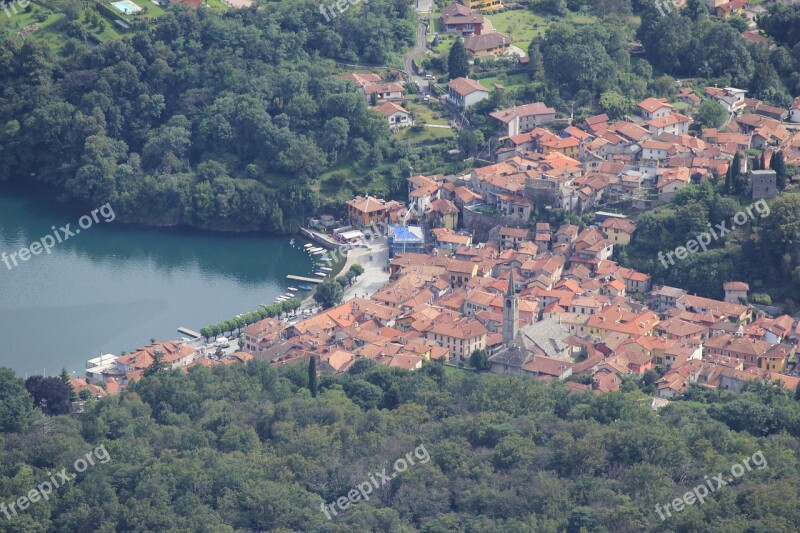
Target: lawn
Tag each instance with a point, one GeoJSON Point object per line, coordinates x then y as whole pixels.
{"type": "Point", "coordinates": [506, 80]}
{"type": "Point", "coordinates": [48, 28]}
{"type": "Point", "coordinates": [425, 113]}
{"type": "Point", "coordinates": [519, 24]}
{"type": "Point", "coordinates": [455, 371]}
{"type": "Point", "coordinates": [523, 25]}
{"type": "Point", "coordinates": [428, 134]}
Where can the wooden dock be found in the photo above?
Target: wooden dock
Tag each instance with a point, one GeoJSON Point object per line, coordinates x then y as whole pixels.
{"type": "Point", "coordinates": [301, 278]}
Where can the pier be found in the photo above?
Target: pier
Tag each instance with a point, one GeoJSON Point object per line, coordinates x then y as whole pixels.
{"type": "Point", "coordinates": [189, 332]}
{"type": "Point", "coordinates": [301, 278]}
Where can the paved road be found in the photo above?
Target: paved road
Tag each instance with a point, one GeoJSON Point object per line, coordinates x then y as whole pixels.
{"type": "Point", "coordinates": [422, 44]}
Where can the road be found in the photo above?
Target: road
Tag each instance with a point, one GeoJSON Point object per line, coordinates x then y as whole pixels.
{"type": "Point", "coordinates": [422, 45]}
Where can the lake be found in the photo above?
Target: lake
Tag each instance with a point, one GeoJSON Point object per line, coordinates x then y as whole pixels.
{"type": "Point", "coordinates": [112, 287]}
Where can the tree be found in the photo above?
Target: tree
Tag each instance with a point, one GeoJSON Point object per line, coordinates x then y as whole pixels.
{"type": "Point", "coordinates": [17, 411]}
{"type": "Point", "coordinates": [328, 293]}
{"type": "Point", "coordinates": [312, 375]}
{"type": "Point", "coordinates": [535, 60]}
{"type": "Point", "coordinates": [470, 141]}
{"type": "Point", "coordinates": [356, 269]}
{"type": "Point", "coordinates": [50, 394]}
{"type": "Point", "coordinates": [479, 360]}
{"type": "Point", "coordinates": [457, 61]}
{"type": "Point", "coordinates": [711, 114]}
{"type": "Point", "coordinates": [777, 164]}
{"type": "Point", "coordinates": [614, 104]}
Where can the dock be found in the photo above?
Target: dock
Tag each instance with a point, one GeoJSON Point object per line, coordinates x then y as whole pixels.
{"type": "Point", "coordinates": [189, 332]}
{"type": "Point", "coordinates": [301, 278]}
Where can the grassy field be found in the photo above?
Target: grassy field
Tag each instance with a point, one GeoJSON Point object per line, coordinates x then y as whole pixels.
{"type": "Point", "coordinates": [425, 113]}
{"type": "Point", "coordinates": [455, 371]}
{"type": "Point", "coordinates": [519, 24]}
{"type": "Point", "coordinates": [506, 80]}
{"type": "Point", "coordinates": [428, 134]}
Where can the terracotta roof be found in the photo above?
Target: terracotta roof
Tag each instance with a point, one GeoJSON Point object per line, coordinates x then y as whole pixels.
{"type": "Point", "coordinates": [486, 41]}
{"type": "Point", "coordinates": [465, 86]}
{"type": "Point", "coordinates": [536, 108]}
{"type": "Point", "coordinates": [389, 108]}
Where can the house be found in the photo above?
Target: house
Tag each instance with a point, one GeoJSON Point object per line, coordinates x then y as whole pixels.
{"type": "Point", "coordinates": [461, 336]}
{"type": "Point", "coordinates": [443, 213]}
{"type": "Point", "coordinates": [736, 313]}
{"type": "Point", "coordinates": [406, 239]}
{"type": "Point", "coordinates": [794, 111]}
{"type": "Point", "coordinates": [483, 5]}
{"type": "Point", "coordinates": [688, 96]}
{"type": "Point", "coordinates": [726, 8]}
{"type": "Point", "coordinates": [730, 98]}
{"type": "Point", "coordinates": [461, 20]}
{"type": "Point", "coordinates": [384, 91]}
{"type": "Point", "coordinates": [464, 92]}
{"type": "Point", "coordinates": [524, 118]}
{"type": "Point", "coordinates": [261, 334]}
{"type": "Point", "coordinates": [670, 181]}
{"type": "Point", "coordinates": [675, 124]}
{"type": "Point", "coordinates": [448, 239]}
{"type": "Point", "coordinates": [735, 291]}
{"type": "Point", "coordinates": [510, 238]}
{"type": "Point", "coordinates": [618, 230]}
{"type": "Point", "coordinates": [654, 108]}
{"type": "Point", "coordinates": [764, 184]}
{"type": "Point", "coordinates": [366, 211]}
{"type": "Point", "coordinates": [488, 44]}
{"type": "Point", "coordinates": [396, 115]}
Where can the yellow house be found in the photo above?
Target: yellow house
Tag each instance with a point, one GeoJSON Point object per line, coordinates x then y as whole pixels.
{"type": "Point", "coordinates": [483, 5]}
{"type": "Point", "coordinates": [488, 44]}
{"type": "Point", "coordinates": [618, 230]}
{"type": "Point", "coordinates": [568, 146]}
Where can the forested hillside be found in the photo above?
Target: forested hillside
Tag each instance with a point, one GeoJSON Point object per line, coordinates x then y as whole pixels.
{"type": "Point", "coordinates": [248, 448]}
{"type": "Point", "coordinates": [213, 120]}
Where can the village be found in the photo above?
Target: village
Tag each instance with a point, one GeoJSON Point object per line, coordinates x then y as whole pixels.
{"type": "Point", "coordinates": [475, 285]}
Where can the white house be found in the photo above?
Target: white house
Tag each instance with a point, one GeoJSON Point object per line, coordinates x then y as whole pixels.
{"type": "Point", "coordinates": [396, 115]}
{"type": "Point", "coordinates": [464, 92]}
{"type": "Point", "coordinates": [655, 108]}
{"type": "Point", "coordinates": [794, 111]}
{"type": "Point", "coordinates": [730, 98]}
{"type": "Point", "coordinates": [524, 118]}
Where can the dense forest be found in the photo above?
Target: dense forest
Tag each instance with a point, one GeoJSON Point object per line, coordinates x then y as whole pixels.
{"type": "Point", "coordinates": [578, 65]}
{"type": "Point", "coordinates": [249, 448]}
{"type": "Point", "coordinates": [214, 120]}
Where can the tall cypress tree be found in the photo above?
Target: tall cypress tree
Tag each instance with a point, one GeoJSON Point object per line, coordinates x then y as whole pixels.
{"type": "Point", "coordinates": [457, 61]}
{"type": "Point", "coordinates": [728, 180]}
{"type": "Point", "coordinates": [312, 375]}
{"type": "Point", "coordinates": [777, 164]}
{"type": "Point", "coordinates": [738, 182]}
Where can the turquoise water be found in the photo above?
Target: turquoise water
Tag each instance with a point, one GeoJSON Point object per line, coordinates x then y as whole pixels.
{"type": "Point", "coordinates": [126, 7]}
{"type": "Point", "coordinates": [114, 287]}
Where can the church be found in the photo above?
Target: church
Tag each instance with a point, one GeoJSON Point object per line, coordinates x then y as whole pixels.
{"type": "Point", "coordinates": [538, 350]}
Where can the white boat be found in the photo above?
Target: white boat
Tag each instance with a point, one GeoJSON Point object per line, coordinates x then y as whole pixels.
{"type": "Point", "coordinates": [316, 250]}
{"type": "Point", "coordinates": [318, 253]}
{"type": "Point", "coordinates": [321, 274]}
{"type": "Point", "coordinates": [325, 269]}
{"type": "Point", "coordinates": [293, 289]}
{"type": "Point", "coordinates": [308, 245]}
{"type": "Point", "coordinates": [326, 259]}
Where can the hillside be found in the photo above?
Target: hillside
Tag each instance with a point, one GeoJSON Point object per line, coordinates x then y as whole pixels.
{"type": "Point", "coordinates": [247, 448]}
